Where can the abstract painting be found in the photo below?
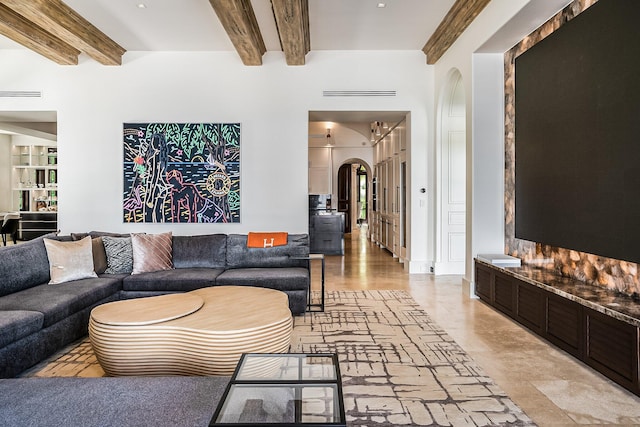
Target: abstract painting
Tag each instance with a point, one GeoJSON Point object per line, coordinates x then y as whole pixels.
{"type": "Point", "coordinates": [181, 172]}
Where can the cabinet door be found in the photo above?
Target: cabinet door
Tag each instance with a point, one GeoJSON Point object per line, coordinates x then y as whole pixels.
{"type": "Point", "coordinates": [565, 326]}
{"type": "Point", "coordinates": [530, 306]}
{"type": "Point", "coordinates": [612, 348]}
{"type": "Point", "coordinates": [483, 283]}
{"type": "Point", "coordinates": [504, 294]}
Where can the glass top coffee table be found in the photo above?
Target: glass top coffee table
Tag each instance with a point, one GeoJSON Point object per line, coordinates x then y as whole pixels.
{"type": "Point", "coordinates": [283, 390]}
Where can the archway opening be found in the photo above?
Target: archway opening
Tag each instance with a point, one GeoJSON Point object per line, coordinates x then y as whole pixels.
{"type": "Point", "coordinates": [354, 193]}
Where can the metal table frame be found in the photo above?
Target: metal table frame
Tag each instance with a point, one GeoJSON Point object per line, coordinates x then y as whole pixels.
{"type": "Point", "coordinates": [298, 383]}
{"type": "Point", "coordinates": [311, 306]}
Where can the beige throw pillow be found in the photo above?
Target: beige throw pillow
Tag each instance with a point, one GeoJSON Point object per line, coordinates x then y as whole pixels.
{"type": "Point", "coordinates": [152, 252]}
{"type": "Point", "coordinates": [69, 260]}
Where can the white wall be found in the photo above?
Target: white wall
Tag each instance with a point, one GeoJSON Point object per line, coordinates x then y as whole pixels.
{"type": "Point", "coordinates": [319, 170]}
{"type": "Point", "coordinates": [488, 154]}
{"type": "Point", "coordinates": [271, 102]}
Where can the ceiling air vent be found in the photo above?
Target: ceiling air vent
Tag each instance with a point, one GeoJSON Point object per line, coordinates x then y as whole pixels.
{"type": "Point", "coordinates": [358, 93]}
{"type": "Point", "coordinates": [20, 94]}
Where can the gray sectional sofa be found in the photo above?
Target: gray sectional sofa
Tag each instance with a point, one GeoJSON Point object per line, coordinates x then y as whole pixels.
{"type": "Point", "coordinates": [110, 402]}
{"type": "Point", "coordinates": [38, 318]}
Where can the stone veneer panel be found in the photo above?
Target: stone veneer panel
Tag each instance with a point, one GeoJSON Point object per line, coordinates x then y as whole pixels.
{"type": "Point", "coordinates": [593, 269]}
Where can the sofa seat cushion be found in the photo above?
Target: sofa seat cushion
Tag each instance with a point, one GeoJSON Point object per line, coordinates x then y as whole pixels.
{"type": "Point", "coordinates": [282, 279]}
{"type": "Point", "coordinates": [58, 302]}
{"type": "Point", "coordinates": [16, 324]}
{"type": "Point", "coordinates": [179, 279]}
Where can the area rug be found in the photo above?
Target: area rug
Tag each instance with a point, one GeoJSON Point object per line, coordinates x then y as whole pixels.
{"type": "Point", "coordinates": [398, 367]}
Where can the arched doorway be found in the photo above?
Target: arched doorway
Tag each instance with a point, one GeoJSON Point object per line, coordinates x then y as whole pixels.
{"type": "Point", "coordinates": [353, 192]}
{"type": "Point", "coordinates": [344, 195]}
{"type": "Point", "coordinates": [451, 239]}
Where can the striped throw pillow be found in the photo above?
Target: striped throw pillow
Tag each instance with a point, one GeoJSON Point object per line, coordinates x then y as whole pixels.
{"type": "Point", "coordinates": [119, 254]}
{"type": "Point", "coordinates": [152, 252]}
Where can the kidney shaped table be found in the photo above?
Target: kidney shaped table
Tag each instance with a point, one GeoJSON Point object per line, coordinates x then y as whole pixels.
{"type": "Point", "coordinates": [203, 332]}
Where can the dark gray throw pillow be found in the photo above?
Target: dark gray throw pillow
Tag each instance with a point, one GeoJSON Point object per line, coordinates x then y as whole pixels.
{"type": "Point", "coordinates": [99, 255]}
{"type": "Point", "coordinates": [119, 254]}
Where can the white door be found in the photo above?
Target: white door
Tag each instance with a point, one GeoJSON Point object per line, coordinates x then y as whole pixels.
{"type": "Point", "coordinates": [453, 181]}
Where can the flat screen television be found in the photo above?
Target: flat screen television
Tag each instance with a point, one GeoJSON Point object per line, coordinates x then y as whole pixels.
{"type": "Point", "coordinates": [577, 134]}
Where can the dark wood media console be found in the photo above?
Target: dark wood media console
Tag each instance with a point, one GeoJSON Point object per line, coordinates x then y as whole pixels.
{"type": "Point", "coordinates": [594, 325]}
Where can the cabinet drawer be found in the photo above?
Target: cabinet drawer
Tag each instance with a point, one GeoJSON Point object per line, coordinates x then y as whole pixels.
{"type": "Point", "coordinates": [327, 243]}
{"type": "Point", "coordinates": [327, 224]}
{"type": "Point", "coordinates": [38, 225]}
{"type": "Point", "coordinates": [36, 216]}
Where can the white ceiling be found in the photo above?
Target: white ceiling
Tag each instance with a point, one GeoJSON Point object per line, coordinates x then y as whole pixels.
{"type": "Point", "coordinates": [192, 25]}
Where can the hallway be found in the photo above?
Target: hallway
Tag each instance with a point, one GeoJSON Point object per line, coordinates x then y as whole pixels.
{"type": "Point", "coordinates": [550, 386]}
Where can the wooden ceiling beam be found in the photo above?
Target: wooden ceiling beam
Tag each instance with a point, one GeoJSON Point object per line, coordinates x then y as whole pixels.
{"type": "Point", "coordinates": [292, 21]}
{"type": "Point", "coordinates": [65, 23]}
{"type": "Point", "coordinates": [31, 36]}
{"type": "Point", "coordinates": [461, 14]}
{"type": "Point", "coordinates": [240, 23]}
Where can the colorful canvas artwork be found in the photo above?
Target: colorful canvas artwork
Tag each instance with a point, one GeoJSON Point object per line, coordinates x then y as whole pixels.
{"type": "Point", "coordinates": [181, 172]}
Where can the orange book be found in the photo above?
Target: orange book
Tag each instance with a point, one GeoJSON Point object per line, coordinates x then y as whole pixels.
{"type": "Point", "coordinates": [266, 240]}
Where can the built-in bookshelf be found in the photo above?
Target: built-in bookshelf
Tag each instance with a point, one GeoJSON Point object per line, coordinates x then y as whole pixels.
{"type": "Point", "coordinates": [35, 187]}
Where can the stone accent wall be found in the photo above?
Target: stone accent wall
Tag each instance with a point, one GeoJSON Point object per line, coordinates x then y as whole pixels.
{"type": "Point", "coordinates": [593, 269]}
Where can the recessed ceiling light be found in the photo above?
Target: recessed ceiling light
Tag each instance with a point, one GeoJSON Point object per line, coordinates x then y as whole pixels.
{"type": "Point", "coordinates": [381, 5]}
{"type": "Point", "coordinates": [142, 6]}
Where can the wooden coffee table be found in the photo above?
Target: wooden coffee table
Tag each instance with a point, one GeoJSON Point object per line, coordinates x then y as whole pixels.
{"type": "Point", "coordinates": [203, 332]}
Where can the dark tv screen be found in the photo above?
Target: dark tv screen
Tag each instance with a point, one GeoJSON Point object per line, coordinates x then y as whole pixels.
{"type": "Point", "coordinates": [577, 134]}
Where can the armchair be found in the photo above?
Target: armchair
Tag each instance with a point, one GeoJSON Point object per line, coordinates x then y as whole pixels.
{"type": "Point", "coordinates": [10, 225]}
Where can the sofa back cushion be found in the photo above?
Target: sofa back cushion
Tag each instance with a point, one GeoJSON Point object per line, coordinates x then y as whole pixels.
{"type": "Point", "coordinates": [94, 234]}
{"type": "Point", "coordinates": [203, 251]}
{"type": "Point", "coordinates": [241, 256]}
{"type": "Point", "coordinates": [23, 266]}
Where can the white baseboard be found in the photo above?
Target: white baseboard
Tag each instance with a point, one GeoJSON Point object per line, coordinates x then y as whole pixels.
{"type": "Point", "coordinates": [469, 288]}
{"type": "Point", "coordinates": [441, 268]}
{"type": "Point", "coordinates": [418, 267]}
